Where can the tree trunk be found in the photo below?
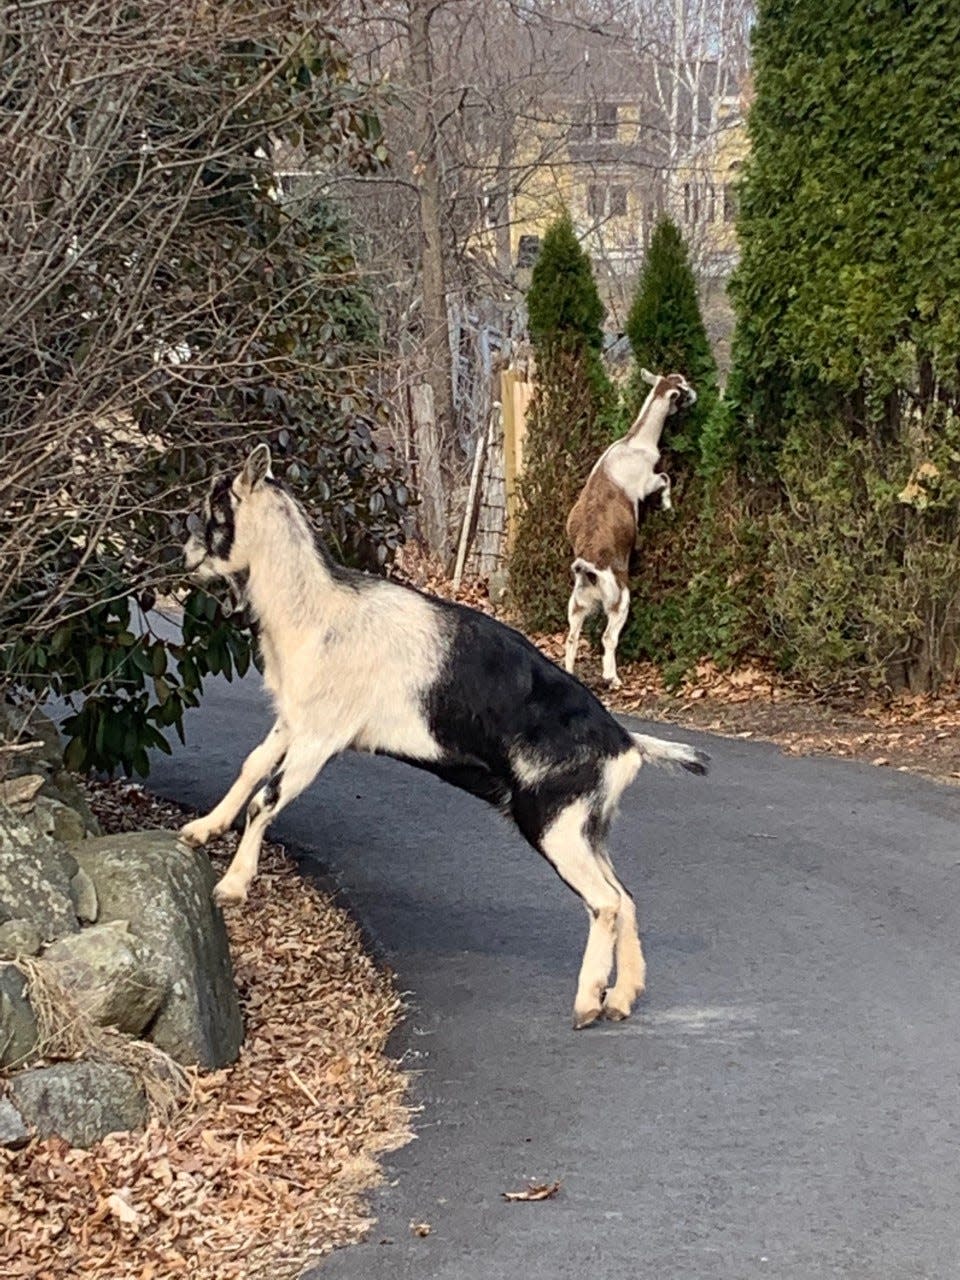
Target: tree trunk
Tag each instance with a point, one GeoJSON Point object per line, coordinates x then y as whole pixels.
{"type": "Point", "coordinates": [432, 277]}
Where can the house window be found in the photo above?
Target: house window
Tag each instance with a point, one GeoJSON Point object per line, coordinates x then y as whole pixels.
{"type": "Point", "coordinates": [606, 121]}
{"type": "Point", "coordinates": [606, 202]}
{"type": "Point", "coordinates": [528, 251]}
{"type": "Point", "coordinates": [594, 122]}
{"type": "Point", "coordinates": [617, 202]}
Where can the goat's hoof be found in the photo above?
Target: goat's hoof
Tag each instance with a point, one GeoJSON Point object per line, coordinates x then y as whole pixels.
{"type": "Point", "coordinates": [584, 1018]}
{"type": "Point", "coordinates": [196, 832]}
{"type": "Point", "coordinates": [229, 893]}
{"type": "Point", "coordinates": [615, 1012]}
{"type": "Point", "coordinates": [613, 682]}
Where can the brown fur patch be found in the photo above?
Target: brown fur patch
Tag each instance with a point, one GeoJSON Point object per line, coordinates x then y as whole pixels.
{"type": "Point", "coordinates": [602, 526]}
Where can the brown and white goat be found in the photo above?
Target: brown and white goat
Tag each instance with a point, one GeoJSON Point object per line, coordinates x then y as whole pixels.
{"type": "Point", "coordinates": [360, 663]}
{"type": "Point", "coordinates": [602, 526]}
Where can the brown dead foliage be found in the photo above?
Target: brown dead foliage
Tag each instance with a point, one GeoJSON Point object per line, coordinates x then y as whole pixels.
{"type": "Point", "coordinates": [535, 1191]}
{"type": "Point", "coordinates": [266, 1166]}
{"type": "Point", "coordinates": [919, 733]}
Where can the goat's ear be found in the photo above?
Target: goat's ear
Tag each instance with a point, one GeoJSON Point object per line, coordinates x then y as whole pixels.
{"type": "Point", "coordinates": [649, 378]}
{"type": "Point", "coordinates": [255, 469]}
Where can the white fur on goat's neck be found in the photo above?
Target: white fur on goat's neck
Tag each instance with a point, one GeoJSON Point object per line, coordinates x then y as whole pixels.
{"type": "Point", "coordinates": [318, 632]}
{"type": "Point", "coordinates": [630, 461]}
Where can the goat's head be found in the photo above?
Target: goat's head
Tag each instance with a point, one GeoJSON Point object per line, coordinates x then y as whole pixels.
{"type": "Point", "coordinates": [674, 387]}
{"type": "Point", "coordinates": [222, 536]}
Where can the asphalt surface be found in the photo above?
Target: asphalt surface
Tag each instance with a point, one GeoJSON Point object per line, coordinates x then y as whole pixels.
{"type": "Point", "coordinates": [784, 1102]}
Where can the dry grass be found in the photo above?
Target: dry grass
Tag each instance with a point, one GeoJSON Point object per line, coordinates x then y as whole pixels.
{"type": "Point", "coordinates": [266, 1166]}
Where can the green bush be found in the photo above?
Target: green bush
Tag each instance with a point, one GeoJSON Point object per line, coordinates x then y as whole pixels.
{"type": "Point", "coordinates": [864, 556]}
{"type": "Point", "coordinates": [846, 356]}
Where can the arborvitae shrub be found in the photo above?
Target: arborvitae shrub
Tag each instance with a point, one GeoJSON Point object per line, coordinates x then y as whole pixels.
{"type": "Point", "coordinates": [667, 333]}
{"type": "Point", "coordinates": [568, 426]}
{"type": "Point", "coordinates": [843, 402]}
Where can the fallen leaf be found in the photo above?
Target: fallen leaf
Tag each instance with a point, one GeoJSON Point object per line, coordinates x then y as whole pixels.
{"type": "Point", "coordinates": [536, 1191]}
{"type": "Point", "coordinates": [122, 1210]}
{"type": "Point", "coordinates": [421, 1228]}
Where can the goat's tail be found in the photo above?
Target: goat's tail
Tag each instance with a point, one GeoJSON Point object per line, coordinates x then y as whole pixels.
{"type": "Point", "coordinates": [584, 571]}
{"type": "Point", "coordinates": [657, 751]}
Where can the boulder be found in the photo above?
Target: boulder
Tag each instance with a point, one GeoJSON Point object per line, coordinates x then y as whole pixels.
{"type": "Point", "coordinates": [110, 974]}
{"type": "Point", "coordinates": [79, 1101]}
{"type": "Point", "coordinates": [18, 1026]}
{"type": "Point", "coordinates": [35, 872]}
{"type": "Point", "coordinates": [19, 938]}
{"type": "Point", "coordinates": [13, 1131]}
{"type": "Point", "coordinates": [163, 888]}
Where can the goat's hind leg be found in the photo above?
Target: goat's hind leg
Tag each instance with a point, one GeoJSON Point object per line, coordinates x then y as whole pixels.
{"type": "Point", "coordinates": [304, 759]}
{"type": "Point", "coordinates": [577, 613]}
{"type": "Point", "coordinates": [631, 966]}
{"type": "Point", "coordinates": [566, 846]}
{"type": "Point", "coordinates": [616, 612]}
{"type": "Point", "coordinates": [261, 761]}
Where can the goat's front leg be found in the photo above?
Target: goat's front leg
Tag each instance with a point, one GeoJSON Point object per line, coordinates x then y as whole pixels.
{"type": "Point", "coordinates": [304, 759]}
{"type": "Point", "coordinates": [261, 761]}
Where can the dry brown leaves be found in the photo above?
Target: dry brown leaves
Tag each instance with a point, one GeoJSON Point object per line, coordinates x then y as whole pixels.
{"type": "Point", "coordinates": [535, 1191]}
{"type": "Point", "coordinates": [266, 1167]}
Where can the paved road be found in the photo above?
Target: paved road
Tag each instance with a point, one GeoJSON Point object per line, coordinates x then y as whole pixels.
{"type": "Point", "coordinates": [785, 1102]}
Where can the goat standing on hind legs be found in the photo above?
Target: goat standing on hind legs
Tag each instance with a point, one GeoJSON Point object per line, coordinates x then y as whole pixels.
{"type": "Point", "coordinates": [602, 526]}
{"type": "Point", "coordinates": [361, 663]}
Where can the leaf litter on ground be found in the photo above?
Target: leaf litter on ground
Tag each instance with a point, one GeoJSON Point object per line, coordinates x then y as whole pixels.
{"type": "Point", "coordinates": [266, 1166]}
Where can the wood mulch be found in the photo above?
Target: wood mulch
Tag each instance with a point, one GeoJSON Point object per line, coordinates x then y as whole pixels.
{"type": "Point", "coordinates": [267, 1164]}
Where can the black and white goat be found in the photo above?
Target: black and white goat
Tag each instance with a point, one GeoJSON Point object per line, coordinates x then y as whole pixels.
{"type": "Point", "coordinates": [361, 663]}
{"type": "Point", "coordinates": [602, 524]}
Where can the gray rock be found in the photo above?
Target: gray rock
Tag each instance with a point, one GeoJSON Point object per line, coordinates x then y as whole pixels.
{"type": "Point", "coordinates": [44, 758]}
{"type": "Point", "coordinates": [84, 894]}
{"type": "Point", "coordinates": [20, 725]}
{"type": "Point", "coordinates": [13, 1131]}
{"type": "Point", "coordinates": [66, 824]}
{"type": "Point", "coordinates": [35, 871]}
{"type": "Point", "coordinates": [62, 785]}
{"type": "Point", "coordinates": [20, 790]}
{"type": "Point", "coordinates": [79, 1101]}
{"type": "Point", "coordinates": [18, 1026]}
{"type": "Point", "coordinates": [163, 888]}
{"type": "Point", "coordinates": [110, 974]}
{"type": "Point", "coordinates": [19, 938]}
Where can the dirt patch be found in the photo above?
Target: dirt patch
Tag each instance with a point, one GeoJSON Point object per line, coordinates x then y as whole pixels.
{"type": "Point", "coordinates": [266, 1167]}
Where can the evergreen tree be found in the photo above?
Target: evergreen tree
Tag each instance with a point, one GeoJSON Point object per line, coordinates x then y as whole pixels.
{"type": "Point", "coordinates": [845, 391]}
{"type": "Point", "coordinates": [667, 333]}
{"type": "Point", "coordinates": [568, 426]}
